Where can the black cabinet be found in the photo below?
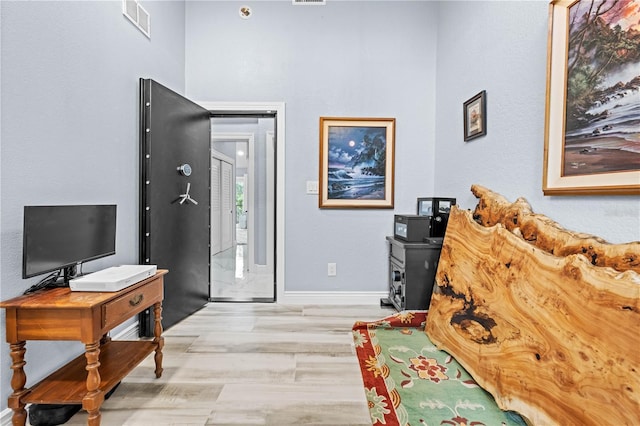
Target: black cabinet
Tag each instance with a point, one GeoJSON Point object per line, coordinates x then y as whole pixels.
{"type": "Point", "coordinates": [412, 270]}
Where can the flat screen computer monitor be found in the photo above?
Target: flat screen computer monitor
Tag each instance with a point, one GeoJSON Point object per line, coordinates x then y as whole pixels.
{"type": "Point", "coordinates": [62, 237]}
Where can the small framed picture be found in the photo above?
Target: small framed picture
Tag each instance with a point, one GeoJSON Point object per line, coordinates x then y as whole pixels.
{"type": "Point", "coordinates": [425, 206]}
{"type": "Point", "coordinates": [475, 116]}
{"type": "Point", "coordinates": [432, 206]}
{"type": "Point", "coordinates": [444, 205]}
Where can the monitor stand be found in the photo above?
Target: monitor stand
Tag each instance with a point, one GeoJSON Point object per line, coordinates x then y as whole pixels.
{"type": "Point", "coordinates": [55, 279]}
{"type": "Point", "coordinates": [68, 273]}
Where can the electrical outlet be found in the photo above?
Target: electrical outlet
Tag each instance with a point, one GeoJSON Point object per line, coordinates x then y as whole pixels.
{"type": "Point", "coordinates": [331, 269]}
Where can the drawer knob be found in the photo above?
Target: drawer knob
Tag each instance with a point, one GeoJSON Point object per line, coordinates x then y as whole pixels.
{"type": "Point", "coordinates": [135, 301]}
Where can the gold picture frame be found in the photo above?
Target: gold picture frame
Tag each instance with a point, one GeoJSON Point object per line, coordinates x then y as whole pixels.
{"type": "Point", "coordinates": [356, 162]}
{"type": "Point", "coordinates": [583, 155]}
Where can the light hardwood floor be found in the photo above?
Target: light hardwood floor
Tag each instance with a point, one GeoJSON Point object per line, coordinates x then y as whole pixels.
{"type": "Point", "coordinates": [250, 364]}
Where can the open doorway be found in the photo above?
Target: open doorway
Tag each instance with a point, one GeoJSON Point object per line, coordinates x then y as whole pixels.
{"type": "Point", "coordinates": [243, 206]}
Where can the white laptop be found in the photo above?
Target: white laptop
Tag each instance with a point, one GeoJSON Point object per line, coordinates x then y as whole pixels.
{"type": "Point", "coordinates": [113, 279]}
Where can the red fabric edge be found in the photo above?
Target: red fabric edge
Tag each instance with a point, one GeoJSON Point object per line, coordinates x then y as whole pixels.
{"type": "Point", "coordinates": [367, 353]}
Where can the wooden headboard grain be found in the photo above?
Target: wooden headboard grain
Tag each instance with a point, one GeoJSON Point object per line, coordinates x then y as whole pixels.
{"type": "Point", "coordinates": [549, 236]}
{"type": "Point", "coordinates": [545, 319]}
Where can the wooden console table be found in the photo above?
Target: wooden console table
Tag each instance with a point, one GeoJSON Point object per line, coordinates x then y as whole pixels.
{"type": "Point", "coordinates": [62, 314]}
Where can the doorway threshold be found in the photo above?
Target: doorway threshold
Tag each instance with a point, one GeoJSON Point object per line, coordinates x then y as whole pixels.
{"type": "Point", "coordinates": [242, 299]}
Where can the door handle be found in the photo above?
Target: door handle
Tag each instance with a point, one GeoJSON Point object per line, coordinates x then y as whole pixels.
{"type": "Point", "coordinates": [186, 197]}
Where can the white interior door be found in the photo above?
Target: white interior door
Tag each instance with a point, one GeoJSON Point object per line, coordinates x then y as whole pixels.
{"type": "Point", "coordinates": [222, 204]}
{"type": "Point", "coordinates": [227, 195]}
{"type": "Point", "coordinates": [216, 210]}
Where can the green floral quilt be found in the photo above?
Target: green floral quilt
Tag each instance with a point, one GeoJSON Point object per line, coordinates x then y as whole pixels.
{"type": "Point", "coordinates": [409, 382]}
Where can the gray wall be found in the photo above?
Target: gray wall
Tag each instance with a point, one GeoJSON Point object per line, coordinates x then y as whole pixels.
{"type": "Point", "coordinates": [70, 127]}
{"type": "Point", "coordinates": [69, 116]}
{"type": "Point", "coordinates": [342, 59]}
{"type": "Point", "coordinates": [507, 58]}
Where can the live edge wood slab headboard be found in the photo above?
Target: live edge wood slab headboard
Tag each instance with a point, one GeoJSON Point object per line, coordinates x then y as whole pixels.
{"type": "Point", "coordinates": [545, 319]}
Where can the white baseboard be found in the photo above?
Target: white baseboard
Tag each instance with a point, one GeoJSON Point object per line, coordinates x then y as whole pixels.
{"type": "Point", "coordinates": [332, 298]}
{"type": "Point", "coordinates": [5, 417]}
{"type": "Point", "coordinates": [128, 333]}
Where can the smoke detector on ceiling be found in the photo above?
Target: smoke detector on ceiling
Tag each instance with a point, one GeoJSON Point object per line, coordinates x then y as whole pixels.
{"type": "Point", "coordinates": [245, 12]}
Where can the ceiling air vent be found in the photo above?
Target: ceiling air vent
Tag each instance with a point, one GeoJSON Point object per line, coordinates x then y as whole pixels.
{"type": "Point", "coordinates": [309, 2]}
{"type": "Point", "coordinates": [134, 11]}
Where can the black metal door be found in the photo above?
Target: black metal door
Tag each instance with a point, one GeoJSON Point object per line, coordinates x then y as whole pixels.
{"type": "Point", "coordinates": [174, 199]}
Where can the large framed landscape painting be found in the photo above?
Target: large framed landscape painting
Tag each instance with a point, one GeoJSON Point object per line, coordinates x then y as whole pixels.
{"type": "Point", "coordinates": [592, 140]}
{"type": "Point", "coordinates": [356, 162]}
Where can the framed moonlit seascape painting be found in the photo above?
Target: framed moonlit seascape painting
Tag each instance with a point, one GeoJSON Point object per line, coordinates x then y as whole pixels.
{"type": "Point", "coordinates": [356, 162]}
{"type": "Point", "coordinates": [592, 130]}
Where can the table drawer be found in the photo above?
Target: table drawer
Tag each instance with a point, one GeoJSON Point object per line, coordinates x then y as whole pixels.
{"type": "Point", "coordinates": [131, 303]}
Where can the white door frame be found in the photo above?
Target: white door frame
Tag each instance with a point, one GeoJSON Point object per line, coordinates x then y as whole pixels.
{"type": "Point", "coordinates": [271, 173]}
{"type": "Point", "coordinates": [279, 109]}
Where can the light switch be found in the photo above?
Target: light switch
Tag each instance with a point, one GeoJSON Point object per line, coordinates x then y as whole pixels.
{"type": "Point", "coordinates": [312, 187]}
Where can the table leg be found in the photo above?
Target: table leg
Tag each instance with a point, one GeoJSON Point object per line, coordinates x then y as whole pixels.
{"type": "Point", "coordinates": [18, 380]}
{"type": "Point", "coordinates": [95, 397]}
{"type": "Point", "coordinates": [158, 339]}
